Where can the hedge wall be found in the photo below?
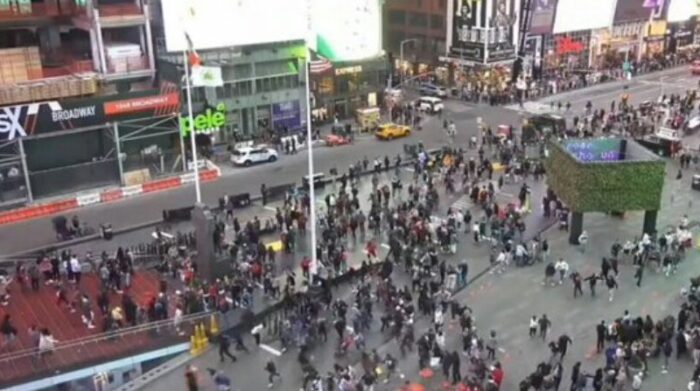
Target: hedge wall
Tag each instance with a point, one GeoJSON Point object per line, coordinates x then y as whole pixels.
{"type": "Point", "coordinates": [604, 186]}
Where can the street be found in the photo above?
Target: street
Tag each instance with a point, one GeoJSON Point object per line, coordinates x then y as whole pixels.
{"type": "Point", "coordinates": [505, 302]}
{"type": "Point", "coordinates": [501, 302]}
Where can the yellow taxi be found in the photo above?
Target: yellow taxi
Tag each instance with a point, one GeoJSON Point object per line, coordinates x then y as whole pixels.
{"type": "Point", "coordinates": [390, 131]}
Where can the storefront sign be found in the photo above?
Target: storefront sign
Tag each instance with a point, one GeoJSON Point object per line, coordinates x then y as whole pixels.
{"type": "Point", "coordinates": [286, 115]}
{"type": "Point", "coordinates": [348, 70]}
{"type": "Point", "coordinates": [542, 19]}
{"type": "Point", "coordinates": [497, 54]}
{"type": "Point", "coordinates": [206, 123]}
{"type": "Point", "coordinates": [467, 27]}
{"type": "Point", "coordinates": [566, 45]}
{"type": "Point", "coordinates": [54, 116]}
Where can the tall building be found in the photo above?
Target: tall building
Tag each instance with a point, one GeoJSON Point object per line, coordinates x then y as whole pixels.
{"type": "Point", "coordinates": [419, 26]}
{"type": "Point", "coordinates": [262, 63]}
{"type": "Point", "coordinates": [351, 70]}
{"type": "Point", "coordinates": [70, 70]}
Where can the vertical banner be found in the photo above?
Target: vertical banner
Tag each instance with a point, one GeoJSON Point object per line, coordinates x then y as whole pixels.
{"type": "Point", "coordinates": [542, 17]}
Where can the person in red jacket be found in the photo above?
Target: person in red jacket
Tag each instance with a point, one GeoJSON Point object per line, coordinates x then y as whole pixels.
{"type": "Point", "coordinates": [371, 250]}
{"type": "Point", "coordinates": [497, 374]}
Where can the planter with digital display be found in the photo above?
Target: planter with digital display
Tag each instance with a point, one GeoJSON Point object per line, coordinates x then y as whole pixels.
{"type": "Point", "coordinates": [605, 175]}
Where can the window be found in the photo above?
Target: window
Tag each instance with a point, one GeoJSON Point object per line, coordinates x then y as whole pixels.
{"type": "Point", "coordinates": [397, 17]}
{"type": "Point", "coordinates": [436, 22]}
{"type": "Point", "coordinates": [418, 20]}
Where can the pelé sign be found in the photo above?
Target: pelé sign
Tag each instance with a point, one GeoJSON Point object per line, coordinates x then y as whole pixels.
{"type": "Point", "coordinates": [206, 123]}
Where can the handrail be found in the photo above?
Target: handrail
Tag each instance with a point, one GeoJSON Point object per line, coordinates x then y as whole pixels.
{"type": "Point", "coordinates": [28, 352]}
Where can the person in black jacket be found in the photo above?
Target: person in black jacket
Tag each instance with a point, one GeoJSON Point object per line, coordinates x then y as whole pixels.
{"type": "Point", "coordinates": [224, 345]}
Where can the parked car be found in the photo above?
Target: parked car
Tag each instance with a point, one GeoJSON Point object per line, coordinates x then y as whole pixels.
{"type": "Point", "coordinates": [248, 156]}
{"type": "Point", "coordinates": [430, 104]}
{"type": "Point", "coordinates": [429, 89]}
{"type": "Point", "coordinates": [334, 140]}
{"type": "Point", "coordinates": [390, 131]}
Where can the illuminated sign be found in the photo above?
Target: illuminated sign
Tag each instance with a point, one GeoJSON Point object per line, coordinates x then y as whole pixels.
{"type": "Point", "coordinates": [339, 30]}
{"type": "Point", "coordinates": [208, 122]}
{"type": "Point", "coordinates": [348, 70]}
{"type": "Point", "coordinates": [566, 45]}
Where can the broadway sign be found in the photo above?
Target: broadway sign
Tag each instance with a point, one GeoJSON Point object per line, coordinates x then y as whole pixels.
{"type": "Point", "coordinates": [54, 116]}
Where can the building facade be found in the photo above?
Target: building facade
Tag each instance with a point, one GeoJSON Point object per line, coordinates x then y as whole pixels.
{"type": "Point", "coordinates": [419, 26]}
{"type": "Point", "coordinates": [263, 89]}
{"type": "Point", "coordinates": [66, 68]}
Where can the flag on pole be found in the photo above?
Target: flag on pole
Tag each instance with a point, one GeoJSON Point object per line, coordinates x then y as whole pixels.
{"type": "Point", "coordinates": [317, 63]}
{"type": "Point", "coordinates": [202, 76]}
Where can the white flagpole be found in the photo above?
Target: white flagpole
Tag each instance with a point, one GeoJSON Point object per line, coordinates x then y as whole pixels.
{"type": "Point", "coordinates": [312, 192]}
{"type": "Point", "coordinates": [193, 144]}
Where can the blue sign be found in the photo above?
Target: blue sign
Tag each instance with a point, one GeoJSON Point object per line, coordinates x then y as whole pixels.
{"type": "Point", "coordinates": [287, 114]}
{"type": "Point", "coordinates": [605, 150]}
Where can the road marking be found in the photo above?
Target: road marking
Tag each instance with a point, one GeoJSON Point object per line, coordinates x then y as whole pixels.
{"type": "Point", "coordinates": [268, 207]}
{"type": "Point", "coordinates": [270, 349]}
{"type": "Point", "coordinates": [385, 245]}
{"type": "Point", "coordinates": [409, 169]}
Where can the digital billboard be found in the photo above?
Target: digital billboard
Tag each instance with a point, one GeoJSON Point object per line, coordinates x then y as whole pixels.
{"type": "Point", "coordinates": [682, 10]}
{"type": "Point", "coordinates": [216, 24]}
{"type": "Point", "coordinates": [542, 20]}
{"type": "Point", "coordinates": [347, 30]}
{"type": "Point", "coordinates": [574, 15]}
{"type": "Point", "coordinates": [340, 30]}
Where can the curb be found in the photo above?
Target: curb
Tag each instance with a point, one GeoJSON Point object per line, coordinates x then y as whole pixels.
{"type": "Point", "coordinates": [80, 200]}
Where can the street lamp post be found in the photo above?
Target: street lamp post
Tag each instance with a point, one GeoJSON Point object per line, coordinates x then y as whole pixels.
{"type": "Point", "coordinates": [405, 41]}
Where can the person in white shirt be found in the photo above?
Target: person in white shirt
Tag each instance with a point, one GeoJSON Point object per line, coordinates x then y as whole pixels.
{"type": "Point", "coordinates": [47, 342]}
{"type": "Point", "coordinates": [563, 268]}
{"type": "Point", "coordinates": [75, 269]}
{"type": "Point", "coordinates": [582, 240]}
{"type": "Point", "coordinates": [255, 332]}
{"type": "Point", "coordinates": [533, 326]}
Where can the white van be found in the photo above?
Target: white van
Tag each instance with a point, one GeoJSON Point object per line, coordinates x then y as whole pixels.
{"type": "Point", "coordinates": [430, 104]}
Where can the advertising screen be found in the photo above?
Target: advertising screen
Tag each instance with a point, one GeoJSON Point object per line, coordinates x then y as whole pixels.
{"type": "Point", "coordinates": [682, 10]}
{"type": "Point", "coordinates": [604, 150]}
{"type": "Point", "coordinates": [543, 12]}
{"type": "Point", "coordinates": [572, 15]}
{"type": "Point", "coordinates": [340, 30]}
{"type": "Point", "coordinates": [347, 30]}
{"type": "Point", "coordinates": [54, 116]}
{"type": "Point", "coordinates": [216, 24]}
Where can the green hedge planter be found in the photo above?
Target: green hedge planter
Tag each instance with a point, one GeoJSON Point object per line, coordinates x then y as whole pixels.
{"type": "Point", "coordinates": [587, 183]}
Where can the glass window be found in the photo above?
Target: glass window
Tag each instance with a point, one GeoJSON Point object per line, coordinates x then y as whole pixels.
{"type": "Point", "coordinates": [418, 19]}
{"type": "Point", "coordinates": [397, 17]}
{"type": "Point", "coordinates": [436, 21]}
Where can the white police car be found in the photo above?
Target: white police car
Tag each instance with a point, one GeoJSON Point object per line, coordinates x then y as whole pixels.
{"type": "Point", "coordinates": [247, 156]}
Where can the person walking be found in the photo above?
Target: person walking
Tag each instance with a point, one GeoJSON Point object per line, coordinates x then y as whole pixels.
{"type": "Point", "coordinates": [600, 330]}
{"type": "Point", "coordinates": [576, 278]}
{"type": "Point", "coordinates": [544, 324]}
{"type": "Point", "coordinates": [272, 373]}
{"type": "Point", "coordinates": [224, 345]}
{"type": "Point", "coordinates": [533, 326]}
{"type": "Point", "coordinates": [611, 283]}
{"type": "Point", "coordinates": [582, 241]}
{"type": "Point", "coordinates": [638, 274]}
{"type": "Point", "coordinates": [255, 332]}
{"type": "Point", "coordinates": [575, 374]}
{"type": "Point", "coordinates": [563, 344]}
